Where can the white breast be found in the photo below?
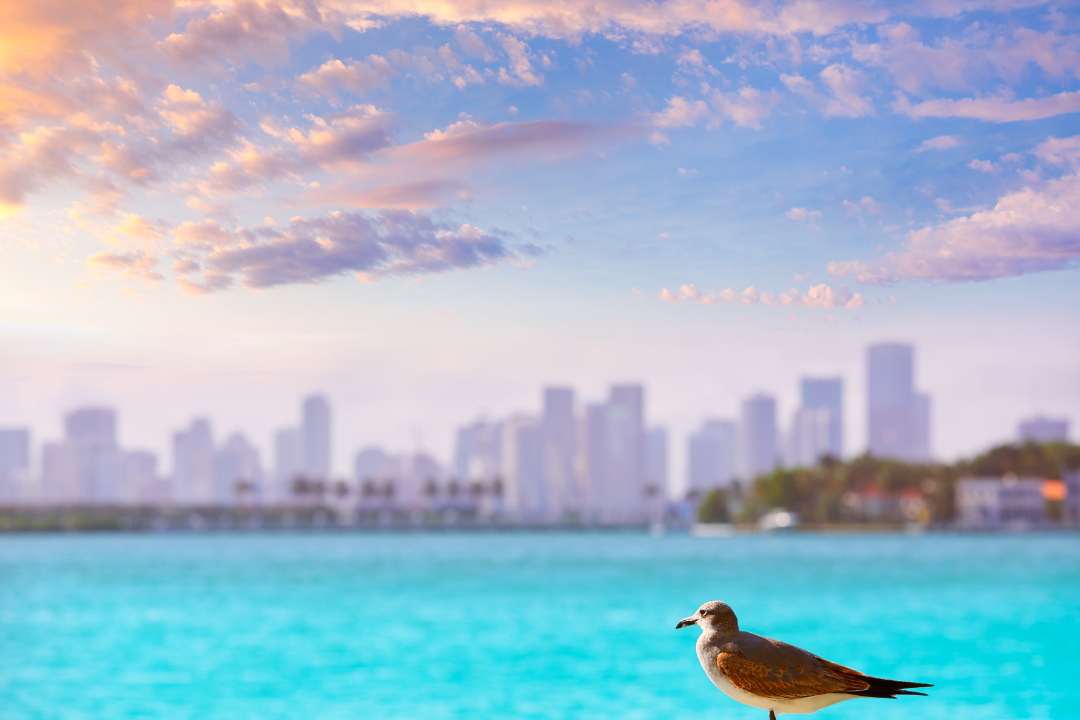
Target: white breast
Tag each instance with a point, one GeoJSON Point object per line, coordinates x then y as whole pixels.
{"type": "Point", "coordinates": [797, 706]}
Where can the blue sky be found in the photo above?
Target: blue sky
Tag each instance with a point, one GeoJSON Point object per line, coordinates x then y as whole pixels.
{"type": "Point", "coordinates": [429, 211]}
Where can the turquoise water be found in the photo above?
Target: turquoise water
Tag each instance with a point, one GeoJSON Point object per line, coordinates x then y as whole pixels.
{"type": "Point", "coordinates": [471, 626]}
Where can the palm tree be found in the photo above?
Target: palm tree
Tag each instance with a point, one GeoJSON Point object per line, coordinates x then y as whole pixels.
{"type": "Point", "coordinates": [300, 488]}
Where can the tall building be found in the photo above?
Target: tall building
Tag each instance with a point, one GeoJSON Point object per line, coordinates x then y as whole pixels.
{"type": "Point", "coordinates": [92, 433]}
{"type": "Point", "coordinates": [60, 474]}
{"type": "Point", "coordinates": [711, 457]}
{"type": "Point", "coordinates": [288, 462]}
{"type": "Point", "coordinates": [1044, 430]}
{"type": "Point", "coordinates": [316, 431]}
{"type": "Point", "coordinates": [757, 434]}
{"type": "Point", "coordinates": [899, 417]}
{"type": "Point", "coordinates": [14, 464]}
{"type": "Point", "coordinates": [142, 483]}
{"type": "Point", "coordinates": [563, 491]}
{"type": "Point", "coordinates": [523, 468]}
{"type": "Point", "coordinates": [828, 394]}
{"type": "Point", "coordinates": [478, 452]}
{"type": "Point", "coordinates": [656, 461]}
{"type": "Point", "coordinates": [628, 501]}
{"type": "Point", "coordinates": [810, 437]}
{"type": "Point", "coordinates": [193, 465]}
{"type": "Point", "coordinates": [237, 472]}
{"type": "Point", "coordinates": [594, 459]}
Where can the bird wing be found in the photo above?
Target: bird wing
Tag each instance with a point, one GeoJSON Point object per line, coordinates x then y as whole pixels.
{"type": "Point", "coordinates": [784, 681]}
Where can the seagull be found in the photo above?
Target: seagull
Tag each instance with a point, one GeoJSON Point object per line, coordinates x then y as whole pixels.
{"type": "Point", "coordinates": [774, 676]}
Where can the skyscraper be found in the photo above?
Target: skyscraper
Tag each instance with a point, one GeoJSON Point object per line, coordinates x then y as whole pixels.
{"type": "Point", "coordinates": [809, 440]}
{"type": "Point", "coordinates": [828, 394]}
{"type": "Point", "coordinates": [478, 455]}
{"type": "Point", "coordinates": [626, 453]}
{"type": "Point", "coordinates": [316, 431]}
{"type": "Point", "coordinates": [656, 460]}
{"type": "Point", "coordinates": [595, 460]}
{"type": "Point", "coordinates": [288, 462]}
{"type": "Point", "coordinates": [92, 434]}
{"type": "Point", "coordinates": [237, 472]}
{"type": "Point", "coordinates": [523, 467]}
{"type": "Point", "coordinates": [757, 431]}
{"type": "Point", "coordinates": [899, 418]}
{"type": "Point", "coordinates": [563, 492]}
{"type": "Point", "coordinates": [14, 463]}
{"type": "Point", "coordinates": [711, 456]}
{"type": "Point", "coordinates": [193, 465]}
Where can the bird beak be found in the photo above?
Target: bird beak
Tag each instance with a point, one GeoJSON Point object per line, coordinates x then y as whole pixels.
{"type": "Point", "coordinates": [686, 621]}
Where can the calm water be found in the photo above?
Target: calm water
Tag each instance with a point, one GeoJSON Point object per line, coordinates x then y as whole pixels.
{"type": "Point", "coordinates": [441, 627]}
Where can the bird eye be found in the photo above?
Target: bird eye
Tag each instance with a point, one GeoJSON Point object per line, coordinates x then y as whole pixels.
{"type": "Point", "coordinates": [704, 613]}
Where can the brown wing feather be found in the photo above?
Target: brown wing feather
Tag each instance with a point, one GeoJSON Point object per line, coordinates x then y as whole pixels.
{"type": "Point", "coordinates": [779, 681]}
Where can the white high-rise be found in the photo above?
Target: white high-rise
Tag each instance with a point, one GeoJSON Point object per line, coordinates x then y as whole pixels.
{"type": "Point", "coordinates": [628, 501]}
{"type": "Point", "coordinates": [899, 417]}
{"type": "Point", "coordinates": [712, 456]}
{"type": "Point", "coordinates": [316, 432]}
{"type": "Point", "coordinates": [193, 465]}
{"type": "Point", "coordinates": [656, 461]}
{"type": "Point", "coordinates": [826, 394]}
{"type": "Point", "coordinates": [237, 472]}
{"type": "Point", "coordinates": [563, 490]}
{"type": "Point", "coordinates": [523, 468]}
{"type": "Point", "coordinates": [14, 464]}
{"type": "Point", "coordinates": [757, 437]}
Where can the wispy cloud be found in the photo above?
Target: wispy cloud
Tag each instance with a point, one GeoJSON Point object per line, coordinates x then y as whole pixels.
{"type": "Point", "coordinates": [1032, 229]}
{"type": "Point", "coordinates": [819, 296]}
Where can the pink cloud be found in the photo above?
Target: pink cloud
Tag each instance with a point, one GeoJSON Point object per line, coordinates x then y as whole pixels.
{"type": "Point", "coordinates": [1032, 229]}
{"type": "Point", "coordinates": [821, 296]}
{"type": "Point", "coordinates": [999, 108]}
{"type": "Point", "coordinates": [357, 78]}
{"type": "Point", "coordinates": [394, 243]}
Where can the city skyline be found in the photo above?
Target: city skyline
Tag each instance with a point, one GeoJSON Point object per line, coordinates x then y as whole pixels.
{"type": "Point", "coordinates": [557, 460]}
{"type": "Point", "coordinates": [425, 211]}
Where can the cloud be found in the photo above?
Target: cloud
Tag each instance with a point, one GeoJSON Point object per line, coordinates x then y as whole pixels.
{"type": "Point", "coordinates": [1000, 108]}
{"type": "Point", "coordinates": [411, 195]}
{"type": "Point", "coordinates": [1029, 230]}
{"type": "Point", "coordinates": [746, 107]}
{"type": "Point", "coordinates": [867, 204]}
{"type": "Point", "coordinates": [941, 142]}
{"type": "Point", "coordinates": [982, 165]}
{"type": "Point", "coordinates": [844, 83]}
{"type": "Point", "coordinates": [521, 70]}
{"type": "Point", "coordinates": [337, 141]}
{"type": "Point", "coordinates": [242, 31]}
{"type": "Point", "coordinates": [137, 264]}
{"type": "Point", "coordinates": [393, 243]}
{"type": "Point", "coordinates": [357, 78]}
{"type": "Point", "coordinates": [821, 296]}
{"type": "Point", "coordinates": [473, 44]}
{"type": "Point", "coordinates": [801, 214]}
{"type": "Point", "coordinates": [469, 142]}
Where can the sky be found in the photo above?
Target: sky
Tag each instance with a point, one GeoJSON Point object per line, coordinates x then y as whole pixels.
{"type": "Point", "coordinates": [428, 211]}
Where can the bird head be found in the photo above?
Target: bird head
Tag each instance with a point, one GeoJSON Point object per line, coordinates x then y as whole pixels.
{"type": "Point", "coordinates": [713, 616]}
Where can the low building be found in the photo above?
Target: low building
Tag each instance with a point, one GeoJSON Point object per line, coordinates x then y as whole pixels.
{"type": "Point", "coordinates": [1071, 505]}
{"type": "Point", "coordinates": [991, 503]}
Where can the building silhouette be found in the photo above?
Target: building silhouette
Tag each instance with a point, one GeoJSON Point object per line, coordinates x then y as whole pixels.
{"type": "Point", "coordinates": [898, 416]}
{"type": "Point", "coordinates": [711, 457]}
{"type": "Point", "coordinates": [316, 433]}
{"type": "Point", "coordinates": [1043, 430]}
{"type": "Point", "coordinates": [757, 436]}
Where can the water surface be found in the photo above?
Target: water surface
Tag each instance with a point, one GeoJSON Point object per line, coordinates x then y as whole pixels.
{"type": "Point", "coordinates": [532, 626]}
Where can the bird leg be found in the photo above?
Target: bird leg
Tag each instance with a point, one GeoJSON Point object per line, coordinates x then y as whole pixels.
{"type": "Point", "coordinates": [772, 715]}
